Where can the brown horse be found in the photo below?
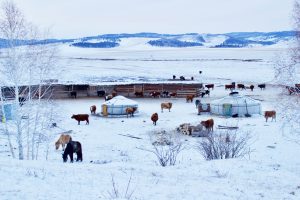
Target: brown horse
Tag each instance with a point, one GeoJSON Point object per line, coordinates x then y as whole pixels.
{"type": "Point", "coordinates": [63, 140]}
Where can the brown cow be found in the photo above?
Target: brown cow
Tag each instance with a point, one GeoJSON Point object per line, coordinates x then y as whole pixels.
{"type": "Point", "coordinates": [189, 98]}
{"type": "Point", "coordinates": [208, 124]}
{"type": "Point", "coordinates": [130, 111]}
{"type": "Point", "coordinates": [271, 113]}
{"type": "Point", "coordinates": [93, 109]}
{"type": "Point", "coordinates": [210, 86]}
{"type": "Point", "coordinates": [173, 94]}
{"type": "Point", "coordinates": [154, 118]}
{"type": "Point", "coordinates": [63, 140]}
{"type": "Point", "coordinates": [155, 94]}
{"type": "Point", "coordinates": [231, 87]}
{"type": "Point", "coordinates": [81, 117]}
{"type": "Point", "coordinates": [167, 105]}
{"type": "Point", "coordinates": [139, 94]}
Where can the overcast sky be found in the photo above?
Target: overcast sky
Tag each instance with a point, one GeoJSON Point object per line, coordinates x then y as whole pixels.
{"type": "Point", "coordinates": [76, 18]}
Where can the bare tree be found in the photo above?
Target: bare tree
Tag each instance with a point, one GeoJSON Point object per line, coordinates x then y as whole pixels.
{"type": "Point", "coordinates": [287, 73]}
{"type": "Point", "coordinates": [24, 67]}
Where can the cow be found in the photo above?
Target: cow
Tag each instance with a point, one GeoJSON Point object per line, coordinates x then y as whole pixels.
{"type": "Point", "coordinates": [139, 94]}
{"type": "Point", "coordinates": [130, 111]}
{"type": "Point", "coordinates": [271, 113]}
{"type": "Point", "coordinates": [205, 92]}
{"type": "Point", "coordinates": [231, 87]}
{"type": "Point", "coordinates": [182, 78]}
{"type": "Point", "coordinates": [174, 77]}
{"type": "Point", "coordinates": [165, 93]}
{"type": "Point", "coordinates": [208, 124]}
{"type": "Point", "coordinates": [251, 87]}
{"type": "Point", "coordinates": [241, 86]}
{"type": "Point", "coordinates": [262, 86]}
{"type": "Point", "coordinates": [154, 94]}
{"type": "Point", "coordinates": [166, 105]}
{"type": "Point", "coordinates": [154, 118]}
{"type": "Point", "coordinates": [81, 117]}
{"type": "Point", "coordinates": [73, 94]}
{"type": "Point", "coordinates": [93, 109]}
{"type": "Point", "coordinates": [208, 86]}
{"type": "Point", "coordinates": [100, 93]}
{"type": "Point", "coordinates": [173, 94]}
{"type": "Point", "coordinates": [189, 98]}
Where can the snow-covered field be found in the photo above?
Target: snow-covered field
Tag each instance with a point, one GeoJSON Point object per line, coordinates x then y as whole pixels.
{"type": "Point", "coordinates": [135, 61]}
{"type": "Point", "coordinates": [271, 171]}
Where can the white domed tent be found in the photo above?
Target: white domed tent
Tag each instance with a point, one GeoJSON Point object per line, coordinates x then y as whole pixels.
{"type": "Point", "coordinates": [117, 106]}
{"type": "Point", "coordinates": [235, 104]}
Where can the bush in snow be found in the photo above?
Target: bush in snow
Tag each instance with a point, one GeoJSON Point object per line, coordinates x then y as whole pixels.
{"type": "Point", "coordinates": [218, 145]}
{"type": "Point", "coordinates": [166, 147]}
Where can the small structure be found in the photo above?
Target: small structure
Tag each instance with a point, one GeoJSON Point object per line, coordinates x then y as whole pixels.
{"type": "Point", "coordinates": [235, 105]}
{"type": "Point", "coordinates": [117, 106]}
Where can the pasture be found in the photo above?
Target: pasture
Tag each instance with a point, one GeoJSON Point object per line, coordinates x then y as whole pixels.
{"type": "Point", "coordinates": [116, 147]}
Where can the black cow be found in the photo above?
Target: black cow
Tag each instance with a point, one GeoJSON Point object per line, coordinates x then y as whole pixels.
{"type": "Point", "coordinates": [262, 86]}
{"type": "Point", "coordinates": [73, 94]}
{"type": "Point", "coordinates": [100, 93]}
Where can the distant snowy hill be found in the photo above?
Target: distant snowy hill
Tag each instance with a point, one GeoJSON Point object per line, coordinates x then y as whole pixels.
{"type": "Point", "coordinates": [226, 40]}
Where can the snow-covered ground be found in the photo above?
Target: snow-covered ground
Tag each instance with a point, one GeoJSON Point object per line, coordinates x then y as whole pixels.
{"type": "Point", "coordinates": [135, 61]}
{"type": "Point", "coordinates": [271, 171]}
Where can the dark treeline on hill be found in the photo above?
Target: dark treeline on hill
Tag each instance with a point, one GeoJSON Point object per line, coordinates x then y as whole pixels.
{"type": "Point", "coordinates": [96, 45]}
{"type": "Point", "coordinates": [238, 43]}
{"type": "Point", "coordinates": [173, 43]}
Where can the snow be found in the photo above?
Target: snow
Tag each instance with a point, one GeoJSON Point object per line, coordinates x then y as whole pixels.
{"type": "Point", "coordinates": [271, 171]}
{"type": "Point", "coordinates": [116, 65]}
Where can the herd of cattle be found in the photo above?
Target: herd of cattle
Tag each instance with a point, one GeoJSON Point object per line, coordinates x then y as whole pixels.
{"type": "Point", "coordinates": [203, 128]}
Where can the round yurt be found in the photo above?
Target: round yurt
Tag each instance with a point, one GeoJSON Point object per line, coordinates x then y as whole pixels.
{"type": "Point", "coordinates": [235, 105]}
{"type": "Point", "coordinates": [117, 106]}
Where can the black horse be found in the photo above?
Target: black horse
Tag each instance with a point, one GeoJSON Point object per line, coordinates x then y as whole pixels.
{"type": "Point", "coordinates": [73, 147]}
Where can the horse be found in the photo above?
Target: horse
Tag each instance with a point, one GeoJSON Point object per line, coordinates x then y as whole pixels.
{"type": "Point", "coordinates": [63, 140]}
{"type": "Point", "coordinates": [72, 147]}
